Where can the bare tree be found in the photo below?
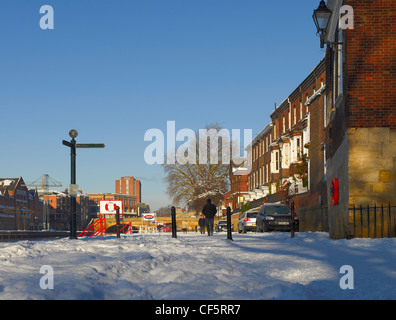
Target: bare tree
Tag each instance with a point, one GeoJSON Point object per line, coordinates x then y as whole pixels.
{"type": "Point", "coordinates": [192, 182]}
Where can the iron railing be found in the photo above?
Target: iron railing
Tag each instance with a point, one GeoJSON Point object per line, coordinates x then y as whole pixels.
{"type": "Point", "coordinates": [372, 221]}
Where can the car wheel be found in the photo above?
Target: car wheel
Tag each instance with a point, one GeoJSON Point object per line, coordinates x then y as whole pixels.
{"type": "Point", "coordinates": [257, 228]}
{"type": "Point", "coordinates": [265, 228]}
{"type": "Point", "coordinates": [239, 230]}
{"type": "Point", "coordinates": [243, 230]}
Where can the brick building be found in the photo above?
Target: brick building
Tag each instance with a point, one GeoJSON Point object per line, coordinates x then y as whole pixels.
{"type": "Point", "coordinates": [20, 208]}
{"type": "Point", "coordinates": [361, 111]}
{"type": "Point", "coordinates": [259, 178]}
{"type": "Point", "coordinates": [58, 207]}
{"type": "Point", "coordinates": [129, 186]}
{"type": "Point", "coordinates": [288, 155]}
{"type": "Point", "coordinates": [238, 189]}
{"type": "Point", "coordinates": [130, 202]}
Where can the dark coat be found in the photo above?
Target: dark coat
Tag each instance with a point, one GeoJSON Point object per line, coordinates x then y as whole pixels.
{"type": "Point", "coordinates": [201, 222]}
{"type": "Point", "coordinates": [209, 210]}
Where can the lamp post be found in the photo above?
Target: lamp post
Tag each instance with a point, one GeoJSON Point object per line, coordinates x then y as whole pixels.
{"type": "Point", "coordinates": [321, 17]}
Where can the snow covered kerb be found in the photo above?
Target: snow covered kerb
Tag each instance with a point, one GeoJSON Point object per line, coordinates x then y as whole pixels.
{"type": "Point", "coordinates": [197, 267]}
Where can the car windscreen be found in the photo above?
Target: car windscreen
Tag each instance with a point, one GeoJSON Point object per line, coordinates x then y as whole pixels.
{"type": "Point", "coordinates": [277, 210]}
{"type": "Point", "coordinates": [251, 215]}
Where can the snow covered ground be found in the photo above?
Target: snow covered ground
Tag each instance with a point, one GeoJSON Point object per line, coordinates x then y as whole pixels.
{"type": "Point", "coordinates": [198, 267]}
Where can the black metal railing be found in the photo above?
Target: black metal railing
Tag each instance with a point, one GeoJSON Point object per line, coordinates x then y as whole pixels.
{"type": "Point", "coordinates": [373, 221]}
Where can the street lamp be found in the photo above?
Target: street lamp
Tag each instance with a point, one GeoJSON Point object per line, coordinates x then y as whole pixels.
{"type": "Point", "coordinates": [321, 17]}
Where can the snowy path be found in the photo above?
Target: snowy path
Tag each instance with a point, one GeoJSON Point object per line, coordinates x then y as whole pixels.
{"type": "Point", "coordinates": [195, 266]}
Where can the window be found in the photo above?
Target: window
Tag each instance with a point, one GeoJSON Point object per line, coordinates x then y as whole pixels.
{"type": "Point", "coordinates": [276, 160]}
{"type": "Point", "coordinates": [266, 143]}
{"type": "Point", "coordinates": [267, 173]}
{"type": "Point", "coordinates": [338, 70]}
{"type": "Point", "coordinates": [306, 100]}
{"type": "Point", "coordinates": [300, 110]}
{"type": "Point", "coordinates": [298, 148]}
{"type": "Point", "coordinates": [286, 154]}
{"type": "Point", "coordinates": [277, 210]}
{"type": "Point", "coordinates": [294, 115]}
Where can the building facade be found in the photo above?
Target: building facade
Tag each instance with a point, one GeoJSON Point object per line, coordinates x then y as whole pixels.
{"type": "Point", "coordinates": [361, 112]}
{"type": "Point", "coordinates": [20, 208]}
{"type": "Point", "coordinates": [287, 158]}
{"type": "Point", "coordinates": [130, 203]}
{"type": "Point", "coordinates": [57, 210]}
{"type": "Point", "coordinates": [129, 186]}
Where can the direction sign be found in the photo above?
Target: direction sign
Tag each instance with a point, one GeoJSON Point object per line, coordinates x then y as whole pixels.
{"type": "Point", "coordinates": [90, 145]}
{"type": "Point", "coordinates": [67, 143]}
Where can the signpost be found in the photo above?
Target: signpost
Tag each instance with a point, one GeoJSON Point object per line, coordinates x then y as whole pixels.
{"type": "Point", "coordinates": [73, 146]}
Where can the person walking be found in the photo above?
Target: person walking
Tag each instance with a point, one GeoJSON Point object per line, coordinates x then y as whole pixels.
{"type": "Point", "coordinates": [209, 211]}
{"type": "Point", "coordinates": [201, 223]}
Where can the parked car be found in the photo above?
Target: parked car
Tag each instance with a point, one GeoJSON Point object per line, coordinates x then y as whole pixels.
{"type": "Point", "coordinates": [273, 217]}
{"type": "Point", "coordinates": [222, 226]}
{"type": "Point", "coordinates": [247, 222]}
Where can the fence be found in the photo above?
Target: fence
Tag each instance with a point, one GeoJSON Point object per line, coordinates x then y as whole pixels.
{"type": "Point", "coordinates": [373, 222]}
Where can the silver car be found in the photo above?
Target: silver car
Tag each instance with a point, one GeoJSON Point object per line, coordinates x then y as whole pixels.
{"type": "Point", "coordinates": [247, 222]}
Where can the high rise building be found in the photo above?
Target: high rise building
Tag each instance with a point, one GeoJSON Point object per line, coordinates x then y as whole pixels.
{"type": "Point", "coordinates": [129, 186]}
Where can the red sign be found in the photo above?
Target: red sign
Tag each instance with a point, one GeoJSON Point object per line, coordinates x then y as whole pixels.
{"type": "Point", "coordinates": [149, 216]}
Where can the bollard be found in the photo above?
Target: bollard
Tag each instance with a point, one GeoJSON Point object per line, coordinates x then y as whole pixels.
{"type": "Point", "coordinates": [118, 222]}
{"type": "Point", "coordinates": [174, 232]}
{"type": "Point", "coordinates": [229, 234]}
{"type": "Point", "coordinates": [292, 220]}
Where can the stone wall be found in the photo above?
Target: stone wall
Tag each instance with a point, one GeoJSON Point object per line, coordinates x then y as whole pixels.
{"type": "Point", "coordinates": [372, 166]}
{"type": "Point", "coordinates": [337, 167]}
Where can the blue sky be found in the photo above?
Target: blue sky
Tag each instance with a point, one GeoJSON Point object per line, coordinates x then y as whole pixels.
{"type": "Point", "coordinates": [115, 69]}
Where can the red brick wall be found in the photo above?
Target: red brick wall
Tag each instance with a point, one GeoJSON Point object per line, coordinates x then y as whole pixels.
{"type": "Point", "coordinates": [370, 68]}
{"type": "Point", "coordinates": [134, 187]}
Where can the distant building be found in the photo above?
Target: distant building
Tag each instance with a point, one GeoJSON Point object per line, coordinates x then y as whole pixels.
{"type": "Point", "coordinates": [20, 209]}
{"type": "Point", "coordinates": [57, 205]}
{"type": "Point", "coordinates": [130, 202]}
{"type": "Point", "coordinates": [239, 189]}
{"type": "Point", "coordinates": [129, 186]}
